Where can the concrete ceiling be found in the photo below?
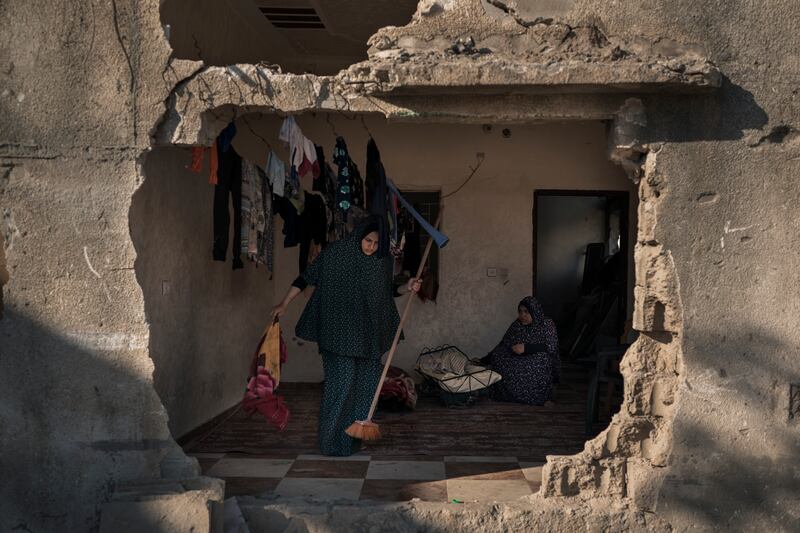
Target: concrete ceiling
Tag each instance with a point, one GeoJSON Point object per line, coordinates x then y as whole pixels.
{"type": "Point", "coordinates": [348, 24]}
{"type": "Point", "coordinates": [239, 31]}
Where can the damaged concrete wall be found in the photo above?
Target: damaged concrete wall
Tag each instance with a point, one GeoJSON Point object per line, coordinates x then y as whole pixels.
{"type": "Point", "coordinates": [473, 310]}
{"type": "Point", "coordinates": [205, 318]}
{"type": "Point", "coordinates": [704, 439]}
{"type": "Point", "coordinates": [78, 410]}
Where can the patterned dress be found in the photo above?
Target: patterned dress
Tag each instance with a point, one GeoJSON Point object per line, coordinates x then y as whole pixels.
{"type": "Point", "coordinates": [528, 378]}
{"type": "Point", "coordinates": [352, 317]}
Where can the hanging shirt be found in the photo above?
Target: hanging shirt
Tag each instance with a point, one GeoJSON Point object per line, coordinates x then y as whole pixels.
{"type": "Point", "coordinates": [276, 173]}
{"type": "Point", "coordinates": [310, 162]}
{"type": "Point", "coordinates": [341, 159]}
{"type": "Point", "coordinates": [357, 186]}
{"type": "Point", "coordinates": [293, 178]}
{"type": "Point", "coordinates": [291, 134]}
{"type": "Point", "coordinates": [253, 217]}
{"type": "Point", "coordinates": [266, 239]}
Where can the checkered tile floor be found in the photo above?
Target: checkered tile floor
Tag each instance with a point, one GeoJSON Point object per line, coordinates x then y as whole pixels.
{"type": "Point", "coordinates": [383, 478]}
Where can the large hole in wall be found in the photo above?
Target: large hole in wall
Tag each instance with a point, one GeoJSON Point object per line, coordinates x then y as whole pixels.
{"type": "Point", "coordinates": [206, 318]}
{"type": "Point", "coordinates": [315, 36]}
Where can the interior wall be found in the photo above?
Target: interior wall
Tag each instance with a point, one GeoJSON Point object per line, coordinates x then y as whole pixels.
{"type": "Point", "coordinates": [489, 221]}
{"type": "Point", "coordinates": [205, 318]}
{"type": "Point", "coordinates": [565, 225]}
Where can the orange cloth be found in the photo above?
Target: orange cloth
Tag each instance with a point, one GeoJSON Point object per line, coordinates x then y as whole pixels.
{"type": "Point", "coordinates": [270, 349]}
{"type": "Point", "coordinates": [197, 159]}
{"type": "Point", "coordinates": [213, 164]}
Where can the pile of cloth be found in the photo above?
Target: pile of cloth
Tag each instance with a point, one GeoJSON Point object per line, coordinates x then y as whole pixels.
{"type": "Point", "coordinates": [398, 391]}
{"type": "Point", "coordinates": [265, 375]}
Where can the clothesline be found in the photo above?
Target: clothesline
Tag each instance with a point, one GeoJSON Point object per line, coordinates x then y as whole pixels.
{"type": "Point", "coordinates": [311, 219]}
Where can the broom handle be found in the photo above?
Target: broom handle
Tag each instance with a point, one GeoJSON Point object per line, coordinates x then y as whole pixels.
{"type": "Point", "coordinates": [402, 321]}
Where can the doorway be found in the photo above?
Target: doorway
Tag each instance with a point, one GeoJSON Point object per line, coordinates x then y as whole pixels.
{"type": "Point", "coordinates": [580, 246]}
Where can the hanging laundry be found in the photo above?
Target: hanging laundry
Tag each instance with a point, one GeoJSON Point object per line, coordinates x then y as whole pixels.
{"type": "Point", "coordinates": [225, 137]}
{"type": "Point", "coordinates": [429, 289]}
{"type": "Point", "coordinates": [213, 164]}
{"type": "Point", "coordinates": [292, 135]}
{"type": "Point", "coordinates": [229, 185]}
{"type": "Point", "coordinates": [313, 226]}
{"type": "Point", "coordinates": [253, 215]}
{"type": "Point", "coordinates": [266, 242]}
{"type": "Point", "coordinates": [293, 179]}
{"type": "Point", "coordinates": [379, 199]}
{"type": "Point", "coordinates": [440, 238]}
{"type": "Point", "coordinates": [310, 162]}
{"type": "Point", "coordinates": [326, 184]}
{"type": "Point", "coordinates": [321, 180]}
{"type": "Point", "coordinates": [291, 220]}
{"type": "Point", "coordinates": [357, 185]}
{"type": "Point", "coordinates": [198, 154]}
{"type": "Point", "coordinates": [343, 189]}
{"type": "Point", "coordinates": [304, 154]}
{"type": "Point", "coordinates": [373, 175]}
{"type": "Point", "coordinates": [276, 172]}
{"type": "Point", "coordinates": [393, 217]}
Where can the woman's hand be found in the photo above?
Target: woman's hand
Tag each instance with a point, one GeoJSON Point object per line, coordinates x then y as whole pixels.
{"type": "Point", "coordinates": [414, 285]}
{"type": "Point", "coordinates": [518, 349]}
{"type": "Point", "coordinates": [278, 311]}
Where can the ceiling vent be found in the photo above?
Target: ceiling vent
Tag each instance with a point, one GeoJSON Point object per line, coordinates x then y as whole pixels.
{"type": "Point", "coordinates": [290, 18]}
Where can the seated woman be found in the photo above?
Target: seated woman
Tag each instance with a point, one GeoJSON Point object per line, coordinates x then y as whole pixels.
{"type": "Point", "coordinates": [527, 357]}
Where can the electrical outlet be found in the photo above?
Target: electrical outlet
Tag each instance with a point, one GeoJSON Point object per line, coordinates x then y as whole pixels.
{"type": "Point", "coordinates": [491, 272]}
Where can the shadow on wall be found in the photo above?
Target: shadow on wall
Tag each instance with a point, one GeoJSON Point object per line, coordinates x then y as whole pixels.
{"type": "Point", "coordinates": [723, 116]}
{"type": "Point", "coordinates": [730, 468]}
{"type": "Point", "coordinates": [4, 276]}
{"type": "Point", "coordinates": [77, 418]}
{"type": "Point", "coordinates": [205, 318]}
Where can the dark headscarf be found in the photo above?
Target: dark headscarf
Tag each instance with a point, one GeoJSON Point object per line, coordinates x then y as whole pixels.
{"type": "Point", "coordinates": [352, 310]}
{"type": "Point", "coordinates": [535, 332]}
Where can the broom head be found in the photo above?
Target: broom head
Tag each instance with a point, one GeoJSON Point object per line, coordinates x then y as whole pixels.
{"type": "Point", "coordinates": [364, 430]}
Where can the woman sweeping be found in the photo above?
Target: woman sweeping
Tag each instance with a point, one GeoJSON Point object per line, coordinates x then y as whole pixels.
{"type": "Point", "coordinates": [527, 357]}
{"type": "Point", "coordinates": [352, 317]}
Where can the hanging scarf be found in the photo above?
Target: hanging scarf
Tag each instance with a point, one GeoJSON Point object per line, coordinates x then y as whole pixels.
{"type": "Point", "coordinates": [351, 311]}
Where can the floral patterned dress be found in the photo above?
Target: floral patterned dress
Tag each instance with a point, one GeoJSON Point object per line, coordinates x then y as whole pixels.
{"type": "Point", "coordinates": [529, 377]}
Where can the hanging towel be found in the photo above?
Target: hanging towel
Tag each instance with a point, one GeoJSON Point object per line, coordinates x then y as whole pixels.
{"type": "Point", "coordinates": [441, 242]}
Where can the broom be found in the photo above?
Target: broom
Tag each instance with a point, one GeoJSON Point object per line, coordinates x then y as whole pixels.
{"type": "Point", "coordinates": [367, 429]}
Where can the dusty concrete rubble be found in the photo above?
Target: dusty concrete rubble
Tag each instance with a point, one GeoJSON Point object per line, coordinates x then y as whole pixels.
{"type": "Point", "coordinates": [191, 506]}
{"type": "Point", "coordinates": [552, 514]}
{"type": "Point", "coordinates": [703, 439]}
{"type": "Point", "coordinates": [449, 48]}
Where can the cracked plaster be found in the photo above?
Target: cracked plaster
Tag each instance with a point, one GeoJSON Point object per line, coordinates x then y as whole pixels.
{"type": "Point", "coordinates": [630, 459]}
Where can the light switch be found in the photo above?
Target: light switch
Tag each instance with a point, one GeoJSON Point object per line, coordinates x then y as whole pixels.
{"type": "Point", "coordinates": [491, 272]}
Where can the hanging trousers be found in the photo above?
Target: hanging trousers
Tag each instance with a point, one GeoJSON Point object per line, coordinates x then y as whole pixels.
{"type": "Point", "coordinates": [229, 185]}
{"type": "Point", "coordinates": [346, 397]}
